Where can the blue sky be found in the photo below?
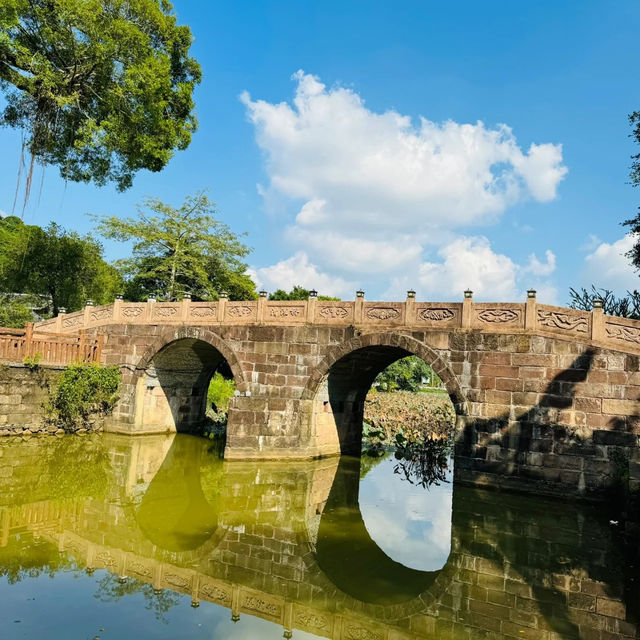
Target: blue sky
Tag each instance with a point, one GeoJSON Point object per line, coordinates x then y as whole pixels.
{"type": "Point", "coordinates": [380, 175]}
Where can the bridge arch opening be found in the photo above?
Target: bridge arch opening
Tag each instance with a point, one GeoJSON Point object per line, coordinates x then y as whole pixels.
{"type": "Point", "coordinates": [172, 389]}
{"type": "Point", "coordinates": [346, 377]}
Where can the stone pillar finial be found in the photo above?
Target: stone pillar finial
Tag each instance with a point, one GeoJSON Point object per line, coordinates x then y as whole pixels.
{"type": "Point", "coordinates": [467, 309]}
{"type": "Point", "coordinates": [598, 303]}
{"type": "Point", "coordinates": [263, 294]}
{"type": "Point", "coordinates": [62, 311]}
{"type": "Point", "coordinates": [89, 303]}
{"type": "Point", "coordinates": [359, 293]}
{"type": "Point", "coordinates": [411, 294]}
{"type": "Point", "coordinates": [119, 296]}
{"type": "Point", "coordinates": [531, 293]}
{"type": "Point", "coordinates": [313, 293]}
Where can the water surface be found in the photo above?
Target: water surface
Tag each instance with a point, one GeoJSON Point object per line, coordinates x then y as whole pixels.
{"type": "Point", "coordinates": [156, 537]}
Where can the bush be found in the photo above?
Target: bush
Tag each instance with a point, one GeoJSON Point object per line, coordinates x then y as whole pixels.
{"type": "Point", "coordinates": [14, 314]}
{"type": "Point", "coordinates": [220, 391]}
{"type": "Point", "coordinates": [83, 392]}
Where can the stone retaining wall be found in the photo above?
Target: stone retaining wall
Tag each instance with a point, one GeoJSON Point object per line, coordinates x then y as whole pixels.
{"type": "Point", "coordinates": [24, 392]}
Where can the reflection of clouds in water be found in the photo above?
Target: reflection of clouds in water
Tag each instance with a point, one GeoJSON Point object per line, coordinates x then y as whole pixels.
{"type": "Point", "coordinates": [410, 524]}
{"type": "Point", "coordinates": [250, 628]}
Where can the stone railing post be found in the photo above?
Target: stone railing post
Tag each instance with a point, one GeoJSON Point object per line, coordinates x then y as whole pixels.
{"type": "Point", "coordinates": [467, 309]}
{"type": "Point", "coordinates": [222, 305]}
{"type": "Point", "coordinates": [28, 339]}
{"type": "Point", "coordinates": [530, 310]}
{"type": "Point", "coordinates": [117, 308]}
{"type": "Point", "coordinates": [358, 311]}
{"type": "Point", "coordinates": [597, 320]}
{"type": "Point", "coordinates": [410, 308]}
{"type": "Point", "coordinates": [311, 306]}
{"type": "Point", "coordinates": [186, 305]}
{"type": "Point", "coordinates": [262, 304]}
{"type": "Point", "coordinates": [62, 312]}
{"type": "Point", "coordinates": [86, 319]}
{"type": "Point", "coordinates": [151, 301]}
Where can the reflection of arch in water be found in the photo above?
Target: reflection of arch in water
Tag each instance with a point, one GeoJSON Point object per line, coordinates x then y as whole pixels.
{"type": "Point", "coordinates": [174, 513]}
{"type": "Point", "coordinates": [339, 385]}
{"type": "Point", "coordinates": [173, 375]}
{"type": "Point", "coordinates": [351, 560]}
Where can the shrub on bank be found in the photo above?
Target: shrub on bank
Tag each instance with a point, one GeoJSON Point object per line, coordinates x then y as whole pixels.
{"type": "Point", "coordinates": [84, 392]}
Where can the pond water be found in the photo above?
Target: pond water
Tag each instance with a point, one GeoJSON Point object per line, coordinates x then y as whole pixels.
{"type": "Point", "coordinates": [157, 537]}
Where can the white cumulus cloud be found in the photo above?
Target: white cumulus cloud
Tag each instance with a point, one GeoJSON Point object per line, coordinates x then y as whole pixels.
{"type": "Point", "coordinates": [373, 193]}
{"type": "Point", "coordinates": [297, 270]}
{"type": "Point", "coordinates": [608, 267]}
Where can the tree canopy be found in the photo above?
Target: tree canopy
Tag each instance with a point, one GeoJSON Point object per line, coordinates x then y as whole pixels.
{"type": "Point", "coordinates": [181, 250]}
{"type": "Point", "coordinates": [297, 293]}
{"type": "Point", "coordinates": [100, 88]}
{"type": "Point", "coordinates": [634, 175]}
{"type": "Point", "coordinates": [63, 265]}
{"type": "Point", "coordinates": [406, 374]}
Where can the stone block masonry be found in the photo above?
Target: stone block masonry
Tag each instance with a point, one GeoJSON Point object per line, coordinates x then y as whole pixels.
{"type": "Point", "coordinates": [24, 392]}
{"type": "Point", "coordinates": [547, 398]}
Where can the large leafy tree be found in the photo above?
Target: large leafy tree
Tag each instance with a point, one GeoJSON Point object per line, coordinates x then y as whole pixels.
{"type": "Point", "coordinates": [101, 88]}
{"type": "Point", "coordinates": [62, 265]}
{"type": "Point", "coordinates": [634, 223]}
{"type": "Point", "coordinates": [180, 250]}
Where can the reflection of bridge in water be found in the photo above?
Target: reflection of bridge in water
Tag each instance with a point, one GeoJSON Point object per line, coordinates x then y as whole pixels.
{"type": "Point", "coordinates": [287, 543]}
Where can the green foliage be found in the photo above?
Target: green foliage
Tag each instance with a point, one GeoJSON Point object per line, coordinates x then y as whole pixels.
{"type": "Point", "coordinates": [32, 362]}
{"type": "Point", "coordinates": [422, 458]}
{"type": "Point", "coordinates": [100, 88]}
{"type": "Point", "coordinates": [634, 223]}
{"type": "Point", "coordinates": [14, 313]}
{"type": "Point", "coordinates": [63, 265]}
{"type": "Point", "coordinates": [417, 413]}
{"type": "Point", "coordinates": [406, 375]}
{"type": "Point", "coordinates": [84, 391]}
{"type": "Point", "coordinates": [180, 250]}
{"type": "Point", "coordinates": [625, 307]}
{"type": "Point", "coordinates": [220, 391]}
{"type": "Point", "coordinates": [297, 293]}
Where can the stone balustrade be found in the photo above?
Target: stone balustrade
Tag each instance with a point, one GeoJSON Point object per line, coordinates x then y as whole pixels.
{"type": "Point", "coordinates": [493, 317]}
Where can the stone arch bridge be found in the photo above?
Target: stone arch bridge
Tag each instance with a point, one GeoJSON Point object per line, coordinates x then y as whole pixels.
{"type": "Point", "coordinates": [547, 397]}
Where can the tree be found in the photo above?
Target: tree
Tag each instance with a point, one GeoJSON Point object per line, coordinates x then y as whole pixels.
{"type": "Point", "coordinates": [626, 306]}
{"type": "Point", "coordinates": [101, 88]}
{"type": "Point", "coordinates": [297, 293]}
{"type": "Point", "coordinates": [634, 223]}
{"type": "Point", "coordinates": [180, 250]}
{"type": "Point", "coordinates": [66, 267]}
{"type": "Point", "coordinates": [406, 374]}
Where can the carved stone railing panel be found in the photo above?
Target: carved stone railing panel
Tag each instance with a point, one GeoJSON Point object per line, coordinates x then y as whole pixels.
{"type": "Point", "coordinates": [133, 311]}
{"type": "Point", "coordinates": [241, 311]}
{"type": "Point", "coordinates": [169, 312]}
{"type": "Point", "coordinates": [203, 311]}
{"type": "Point", "coordinates": [286, 311]}
{"type": "Point", "coordinates": [438, 314]}
{"type": "Point", "coordinates": [334, 312]}
{"type": "Point", "coordinates": [498, 316]}
{"type": "Point", "coordinates": [72, 321]}
{"type": "Point", "coordinates": [261, 605]}
{"type": "Point", "coordinates": [101, 314]}
{"type": "Point", "coordinates": [623, 331]}
{"type": "Point", "coordinates": [383, 312]}
{"type": "Point", "coordinates": [563, 321]}
{"type": "Point", "coordinates": [216, 591]}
